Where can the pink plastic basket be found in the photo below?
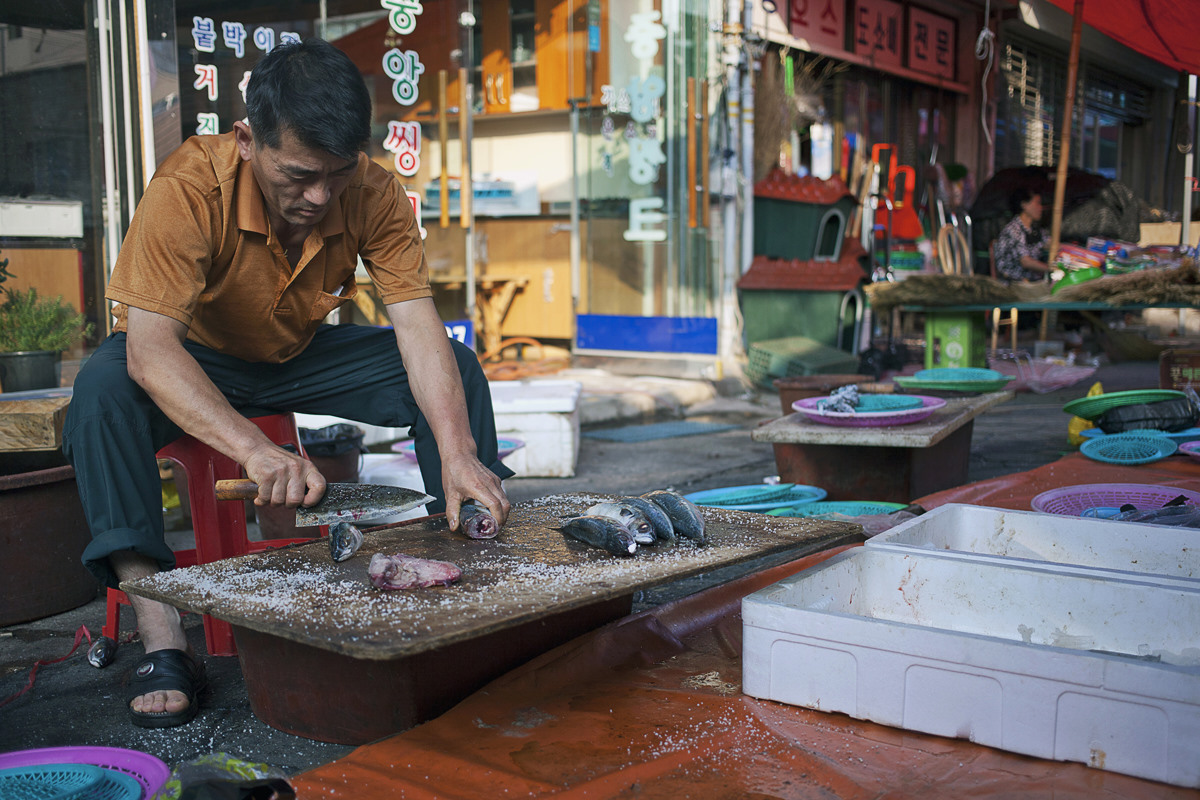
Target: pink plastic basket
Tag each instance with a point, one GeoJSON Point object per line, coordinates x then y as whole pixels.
{"type": "Point", "coordinates": [150, 772]}
{"type": "Point", "coordinates": [1072, 501]}
{"type": "Point", "coordinates": [868, 419]}
{"type": "Point", "coordinates": [1191, 449]}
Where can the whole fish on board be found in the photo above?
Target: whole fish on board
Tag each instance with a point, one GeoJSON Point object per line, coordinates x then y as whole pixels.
{"type": "Point", "coordinates": [685, 515]}
{"type": "Point", "coordinates": [402, 571]}
{"type": "Point", "coordinates": [603, 532]}
{"type": "Point", "coordinates": [664, 531]}
{"type": "Point", "coordinates": [629, 516]}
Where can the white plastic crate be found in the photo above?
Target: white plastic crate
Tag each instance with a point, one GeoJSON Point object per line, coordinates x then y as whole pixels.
{"type": "Point", "coordinates": [1058, 665]}
{"type": "Point", "coordinates": [544, 414]}
{"type": "Point", "coordinates": [1065, 543]}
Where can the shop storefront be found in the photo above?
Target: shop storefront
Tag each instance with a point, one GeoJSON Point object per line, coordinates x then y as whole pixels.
{"type": "Point", "coordinates": [610, 146]}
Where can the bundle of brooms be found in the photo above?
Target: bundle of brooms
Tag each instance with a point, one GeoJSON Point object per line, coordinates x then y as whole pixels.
{"type": "Point", "coordinates": [951, 290]}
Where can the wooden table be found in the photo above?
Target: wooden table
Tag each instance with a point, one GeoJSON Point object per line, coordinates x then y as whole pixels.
{"type": "Point", "coordinates": [890, 464]}
{"type": "Point", "coordinates": [327, 656]}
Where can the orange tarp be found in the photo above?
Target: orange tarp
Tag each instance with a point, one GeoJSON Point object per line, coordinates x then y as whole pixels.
{"type": "Point", "coordinates": [651, 707]}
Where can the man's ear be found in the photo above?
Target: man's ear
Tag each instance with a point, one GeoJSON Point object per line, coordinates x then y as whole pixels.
{"type": "Point", "coordinates": [244, 138]}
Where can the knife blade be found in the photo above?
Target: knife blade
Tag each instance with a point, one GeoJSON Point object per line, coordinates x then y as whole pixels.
{"type": "Point", "coordinates": [347, 502]}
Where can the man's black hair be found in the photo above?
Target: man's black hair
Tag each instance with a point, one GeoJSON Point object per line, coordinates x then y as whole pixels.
{"type": "Point", "coordinates": [314, 90]}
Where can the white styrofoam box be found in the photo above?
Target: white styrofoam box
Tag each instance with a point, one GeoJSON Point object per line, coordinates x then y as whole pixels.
{"type": "Point", "coordinates": [390, 469]}
{"type": "Point", "coordinates": [544, 414]}
{"type": "Point", "coordinates": [1058, 542]}
{"type": "Point", "coordinates": [372, 434]}
{"type": "Point", "coordinates": [52, 218]}
{"type": "Point", "coordinates": [1049, 664]}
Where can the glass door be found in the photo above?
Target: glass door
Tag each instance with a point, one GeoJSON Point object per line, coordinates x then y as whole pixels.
{"type": "Point", "coordinates": [649, 275]}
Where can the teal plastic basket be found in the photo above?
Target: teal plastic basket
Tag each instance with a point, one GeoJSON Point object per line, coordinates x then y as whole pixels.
{"type": "Point", "coordinates": [52, 781]}
{"type": "Point", "coordinates": [849, 508]}
{"type": "Point", "coordinates": [958, 374]}
{"type": "Point", "coordinates": [1131, 447]}
{"type": "Point", "coordinates": [868, 403]}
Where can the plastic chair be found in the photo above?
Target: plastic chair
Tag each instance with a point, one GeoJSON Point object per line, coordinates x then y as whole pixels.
{"type": "Point", "coordinates": [220, 526]}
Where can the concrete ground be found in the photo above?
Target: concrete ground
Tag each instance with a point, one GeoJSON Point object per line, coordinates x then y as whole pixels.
{"type": "Point", "coordinates": [72, 703]}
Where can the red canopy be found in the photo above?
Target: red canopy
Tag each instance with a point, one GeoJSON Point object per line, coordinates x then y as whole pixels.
{"type": "Point", "coordinates": [1164, 30]}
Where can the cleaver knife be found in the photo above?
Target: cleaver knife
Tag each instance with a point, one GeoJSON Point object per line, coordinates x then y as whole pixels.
{"type": "Point", "coordinates": [343, 502]}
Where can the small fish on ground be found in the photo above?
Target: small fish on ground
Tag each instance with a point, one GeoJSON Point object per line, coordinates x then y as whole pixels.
{"type": "Point", "coordinates": [408, 572]}
{"type": "Point", "coordinates": [102, 652]}
{"type": "Point", "coordinates": [629, 516]}
{"type": "Point", "coordinates": [344, 540]}
{"type": "Point", "coordinates": [476, 521]}
{"type": "Point", "coordinates": [603, 532]}
{"type": "Point", "coordinates": [685, 515]}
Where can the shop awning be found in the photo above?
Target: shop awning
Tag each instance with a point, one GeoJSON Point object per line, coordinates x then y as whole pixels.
{"type": "Point", "coordinates": [1163, 30]}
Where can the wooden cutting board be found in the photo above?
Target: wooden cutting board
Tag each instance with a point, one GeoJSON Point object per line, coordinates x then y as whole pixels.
{"type": "Point", "coordinates": [529, 571]}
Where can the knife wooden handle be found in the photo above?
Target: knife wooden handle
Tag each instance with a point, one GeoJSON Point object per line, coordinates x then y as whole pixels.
{"type": "Point", "coordinates": [237, 489]}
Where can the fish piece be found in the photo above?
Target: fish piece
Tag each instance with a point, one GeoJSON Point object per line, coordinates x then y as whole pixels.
{"type": "Point", "coordinates": [477, 522]}
{"type": "Point", "coordinates": [603, 532]}
{"type": "Point", "coordinates": [409, 572]}
{"type": "Point", "coordinates": [102, 652]}
{"type": "Point", "coordinates": [627, 515]}
{"type": "Point", "coordinates": [684, 514]}
{"type": "Point", "coordinates": [664, 531]}
{"type": "Point", "coordinates": [344, 540]}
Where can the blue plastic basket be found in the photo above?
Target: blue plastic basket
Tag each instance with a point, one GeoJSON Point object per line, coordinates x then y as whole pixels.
{"type": "Point", "coordinates": [1131, 447]}
{"type": "Point", "coordinates": [757, 497]}
{"type": "Point", "coordinates": [51, 781]}
{"type": "Point", "coordinates": [849, 508]}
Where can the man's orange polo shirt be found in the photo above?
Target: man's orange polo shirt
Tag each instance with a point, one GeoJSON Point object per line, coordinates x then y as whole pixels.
{"type": "Point", "coordinates": [200, 250]}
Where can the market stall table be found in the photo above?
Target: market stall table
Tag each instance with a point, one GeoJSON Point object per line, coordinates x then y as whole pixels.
{"type": "Point", "coordinates": [884, 464]}
{"type": "Point", "coordinates": [327, 656]}
{"type": "Point", "coordinates": [651, 707]}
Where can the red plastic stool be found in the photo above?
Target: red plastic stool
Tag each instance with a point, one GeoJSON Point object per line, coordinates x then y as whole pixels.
{"type": "Point", "coordinates": [220, 526]}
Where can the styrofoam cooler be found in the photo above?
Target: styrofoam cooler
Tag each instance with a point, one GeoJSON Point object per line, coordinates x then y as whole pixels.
{"type": "Point", "coordinates": [1073, 666]}
{"type": "Point", "coordinates": [1059, 542]}
{"type": "Point", "coordinates": [544, 414]}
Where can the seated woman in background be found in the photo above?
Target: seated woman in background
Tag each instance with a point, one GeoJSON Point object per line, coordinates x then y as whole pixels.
{"type": "Point", "coordinates": [1020, 249]}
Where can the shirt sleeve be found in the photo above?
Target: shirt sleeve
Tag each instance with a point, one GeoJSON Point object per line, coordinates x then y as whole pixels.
{"type": "Point", "coordinates": [166, 252]}
{"type": "Point", "coordinates": [392, 251]}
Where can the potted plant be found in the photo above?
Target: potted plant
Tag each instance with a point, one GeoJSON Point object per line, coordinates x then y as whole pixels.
{"type": "Point", "coordinates": [34, 332]}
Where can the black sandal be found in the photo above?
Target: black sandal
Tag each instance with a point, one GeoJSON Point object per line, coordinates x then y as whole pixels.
{"type": "Point", "coordinates": [165, 670]}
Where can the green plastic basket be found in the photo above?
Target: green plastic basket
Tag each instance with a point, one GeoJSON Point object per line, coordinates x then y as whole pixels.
{"type": "Point", "coordinates": [1092, 408]}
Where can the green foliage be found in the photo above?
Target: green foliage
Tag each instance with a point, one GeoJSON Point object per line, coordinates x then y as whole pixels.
{"type": "Point", "coordinates": [28, 322]}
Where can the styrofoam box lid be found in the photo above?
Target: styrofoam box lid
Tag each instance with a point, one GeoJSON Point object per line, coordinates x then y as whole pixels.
{"type": "Point", "coordinates": [535, 396]}
{"type": "Point", "coordinates": [1056, 541]}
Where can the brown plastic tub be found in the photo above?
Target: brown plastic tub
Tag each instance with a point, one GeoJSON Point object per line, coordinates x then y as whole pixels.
{"type": "Point", "coordinates": [42, 535]}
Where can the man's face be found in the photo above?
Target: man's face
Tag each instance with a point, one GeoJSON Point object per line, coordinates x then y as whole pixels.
{"type": "Point", "coordinates": [297, 182]}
